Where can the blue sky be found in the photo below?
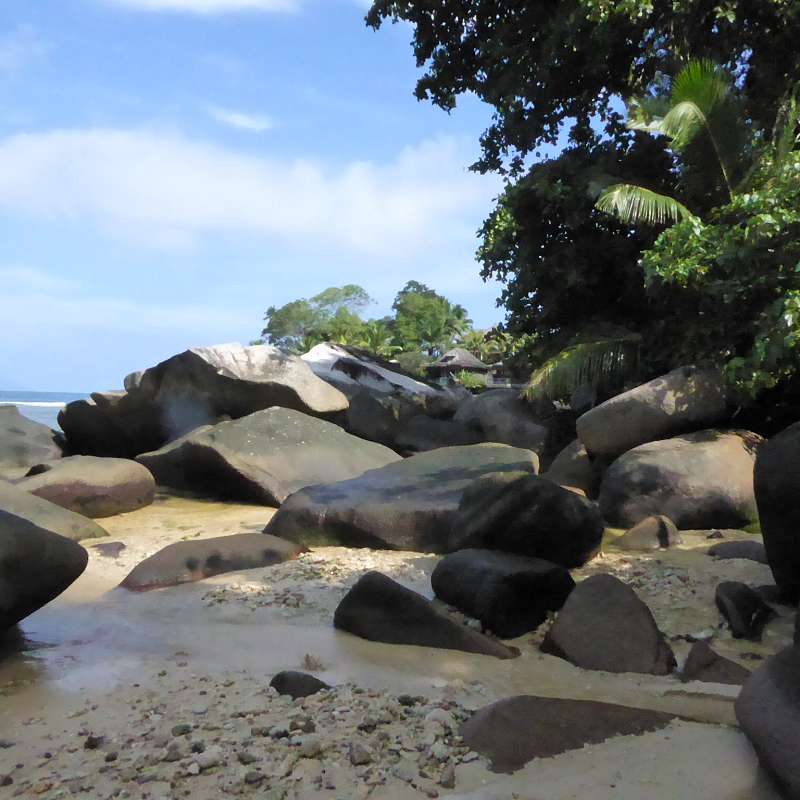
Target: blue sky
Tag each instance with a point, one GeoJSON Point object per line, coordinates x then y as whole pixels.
{"type": "Point", "coordinates": [170, 168]}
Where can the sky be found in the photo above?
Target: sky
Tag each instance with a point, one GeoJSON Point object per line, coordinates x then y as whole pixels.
{"type": "Point", "coordinates": [171, 168]}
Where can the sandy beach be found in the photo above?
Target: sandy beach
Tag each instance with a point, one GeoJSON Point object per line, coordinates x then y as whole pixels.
{"type": "Point", "coordinates": [165, 694]}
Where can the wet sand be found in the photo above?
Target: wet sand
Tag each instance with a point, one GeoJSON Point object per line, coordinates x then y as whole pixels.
{"type": "Point", "coordinates": [129, 667]}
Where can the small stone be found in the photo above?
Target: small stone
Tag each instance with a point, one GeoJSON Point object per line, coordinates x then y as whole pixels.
{"type": "Point", "coordinates": [447, 780]}
{"type": "Point", "coordinates": [92, 742]}
{"type": "Point", "coordinates": [359, 755]}
{"type": "Point", "coordinates": [182, 729]}
{"type": "Point", "coordinates": [111, 757]}
{"type": "Point", "coordinates": [253, 777]}
{"type": "Point", "coordinates": [311, 747]}
{"type": "Point", "coordinates": [246, 757]}
{"type": "Point", "coordinates": [6, 780]}
{"type": "Point", "coordinates": [193, 769]}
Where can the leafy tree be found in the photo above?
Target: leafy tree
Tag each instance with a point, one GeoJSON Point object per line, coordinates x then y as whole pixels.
{"type": "Point", "coordinates": [545, 66]}
{"type": "Point", "coordinates": [377, 337]}
{"type": "Point", "coordinates": [426, 320]}
{"type": "Point", "coordinates": [332, 314]}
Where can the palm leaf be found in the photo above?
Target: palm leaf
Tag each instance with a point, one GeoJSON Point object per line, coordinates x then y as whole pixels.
{"type": "Point", "coordinates": [635, 204]}
{"type": "Point", "coordinates": [605, 364]}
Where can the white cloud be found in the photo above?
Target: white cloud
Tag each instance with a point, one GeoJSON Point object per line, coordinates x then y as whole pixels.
{"type": "Point", "coordinates": [252, 123]}
{"type": "Point", "coordinates": [208, 6]}
{"type": "Point", "coordinates": [18, 49]}
{"type": "Point", "coordinates": [162, 186]}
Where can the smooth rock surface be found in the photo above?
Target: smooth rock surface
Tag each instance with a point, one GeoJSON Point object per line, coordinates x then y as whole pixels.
{"type": "Point", "coordinates": [700, 480]}
{"type": "Point", "coordinates": [36, 565]}
{"type": "Point", "coordinates": [652, 533]}
{"type": "Point", "coordinates": [686, 399]}
{"type": "Point", "coordinates": [777, 490]}
{"type": "Point", "coordinates": [407, 505]}
{"type": "Point", "coordinates": [500, 415]}
{"type": "Point", "coordinates": [423, 433]}
{"type": "Point", "coordinates": [573, 467]}
{"type": "Point", "coordinates": [703, 664]}
{"type": "Point", "coordinates": [513, 731]}
{"type": "Point", "coordinates": [604, 625]}
{"type": "Point", "coordinates": [264, 457]}
{"type": "Point", "coordinates": [24, 442]}
{"type": "Point", "coordinates": [381, 610]}
{"type": "Point", "coordinates": [509, 594]}
{"type": "Point", "coordinates": [744, 610]}
{"type": "Point", "coordinates": [92, 486]}
{"type": "Point", "coordinates": [297, 684]}
{"type": "Point", "coordinates": [750, 550]}
{"type": "Point", "coordinates": [527, 515]}
{"type": "Point", "coordinates": [185, 562]}
{"type": "Point", "coordinates": [768, 710]}
{"type": "Point", "coordinates": [48, 515]}
{"type": "Point", "coordinates": [191, 389]}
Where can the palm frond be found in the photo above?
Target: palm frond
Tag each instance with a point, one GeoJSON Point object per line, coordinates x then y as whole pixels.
{"type": "Point", "coordinates": [635, 204]}
{"type": "Point", "coordinates": [605, 364]}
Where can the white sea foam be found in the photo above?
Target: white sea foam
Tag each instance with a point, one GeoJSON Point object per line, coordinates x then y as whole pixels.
{"type": "Point", "coordinates": [32, 404]}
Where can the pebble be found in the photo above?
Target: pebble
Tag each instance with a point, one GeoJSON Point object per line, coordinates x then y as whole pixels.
{"type": "Point", "coordinates": [310, 747]}
{"type": "Point", "coordinates": [359, 755]}
{"type": "Point", "coordinates": [182, 729]}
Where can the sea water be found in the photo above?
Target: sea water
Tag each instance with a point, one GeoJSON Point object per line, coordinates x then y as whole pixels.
{"type": "Point", "coordinates": [40, 406]}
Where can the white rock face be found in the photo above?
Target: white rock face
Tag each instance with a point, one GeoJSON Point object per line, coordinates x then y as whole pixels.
{"type": "Point", "coordinates": [332, 362]}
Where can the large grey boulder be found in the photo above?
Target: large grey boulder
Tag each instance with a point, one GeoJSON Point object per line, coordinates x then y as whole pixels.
{"type": "Point", "coordinates": [509, 594]}
{"type": "Point", "coordinates": [684, 400]}
{"type": "Point", "coordinates": [381, 610]}
{"type": "Point", "coordinates": [351, 369]}
{"type": "Point", "coordinates": [700, 480]}
{"type": "Point", "coordinates": [777, 490]}
{"type": "Point", "coordinates": [652, 533]}
{"type": "Point", "coordinates": [527, 515]}
{"type": "Point", "coordinates": [407, 505]}
{"type": "Point", "coordinates": [515, 730]}
{"type": "Point", "coordinates": [195, 388]}
{"type": "Point", "coordinates": [24, 442]}
{"type": "Point", "coordinates": [573, 467]}
{"type": "Point", "coordinates": [500, 415]}
{"type": "Point", "coordinates": [422, 433]}
{"type": "Point", "coordinates": [36, 565]}
{"type": "Point", "coordinates": [768, 710]}
{"type": "Point", "coordinates": [605, 626]}
{"type": "Point", "coordinates": [185, 562]}
{"type": "Point", "coordinates": [264, 457]}
{"type": "Point", "coordinates": [92, 486]}
{"type": "Point", "coordinates": [47, 515]}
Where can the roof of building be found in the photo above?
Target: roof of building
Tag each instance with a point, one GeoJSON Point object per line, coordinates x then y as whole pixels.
{"type": "Point", "coordinates": [458, 358]}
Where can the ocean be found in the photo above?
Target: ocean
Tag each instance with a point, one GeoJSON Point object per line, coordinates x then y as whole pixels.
{"type": "Point", "coordinates": [40, 406]}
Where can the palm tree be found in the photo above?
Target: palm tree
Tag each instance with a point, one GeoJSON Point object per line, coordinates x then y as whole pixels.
{"type": "Point", "coordinates": [376, 337]}
{"type": "Point", "coordinates": [702, 117]}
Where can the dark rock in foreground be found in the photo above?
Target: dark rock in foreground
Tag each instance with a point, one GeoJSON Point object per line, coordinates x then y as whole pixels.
{"type": "Point", "coordinates": [24, 442]}
{"type": "Point", "coordinates": [184, 562]}
{"type": "Point", "coordinates": [768, 710]}
{"type": "Point", "coordinates": [509, 594]}
{"type": "Point", "coordinates": [652, 533]}
{"type": "Point", "coordinates": [264, 457]}
{"type": "Point", "coordinates": [36, 565]}
{"type": "Point", "coordinates": [605, 626]}
{"type": "Point", "coordinates": [700, 480]}
{"type": "Point", "coordinates": [703, 664]}
{"type": "Point", "coordinates": [686, 399]}
{"type": "Point", "coordinates": [94, 487]}
{"type": "Point", "coordinates": [297, 684]}
{"type": "Point", "coordinates": [48, 515]}
{"type": "Point", "coordinates": [530, 516]}
{"type": "Point", "coordinates": [408, 505]}
{"type": "Point", "coordinates": [777, 489]}
{"type": "Point", "coordinates": [381, 610]}
{"type": "Point", "coordinates": [513, 731]}
{"type": "Point", "coordinates": [750, 550]}
{"type": "Point", "coordinates": [744, 610]}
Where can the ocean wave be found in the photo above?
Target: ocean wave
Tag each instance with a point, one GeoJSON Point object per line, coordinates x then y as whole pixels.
{"type": "Point", "coordinates": [33, 403]}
